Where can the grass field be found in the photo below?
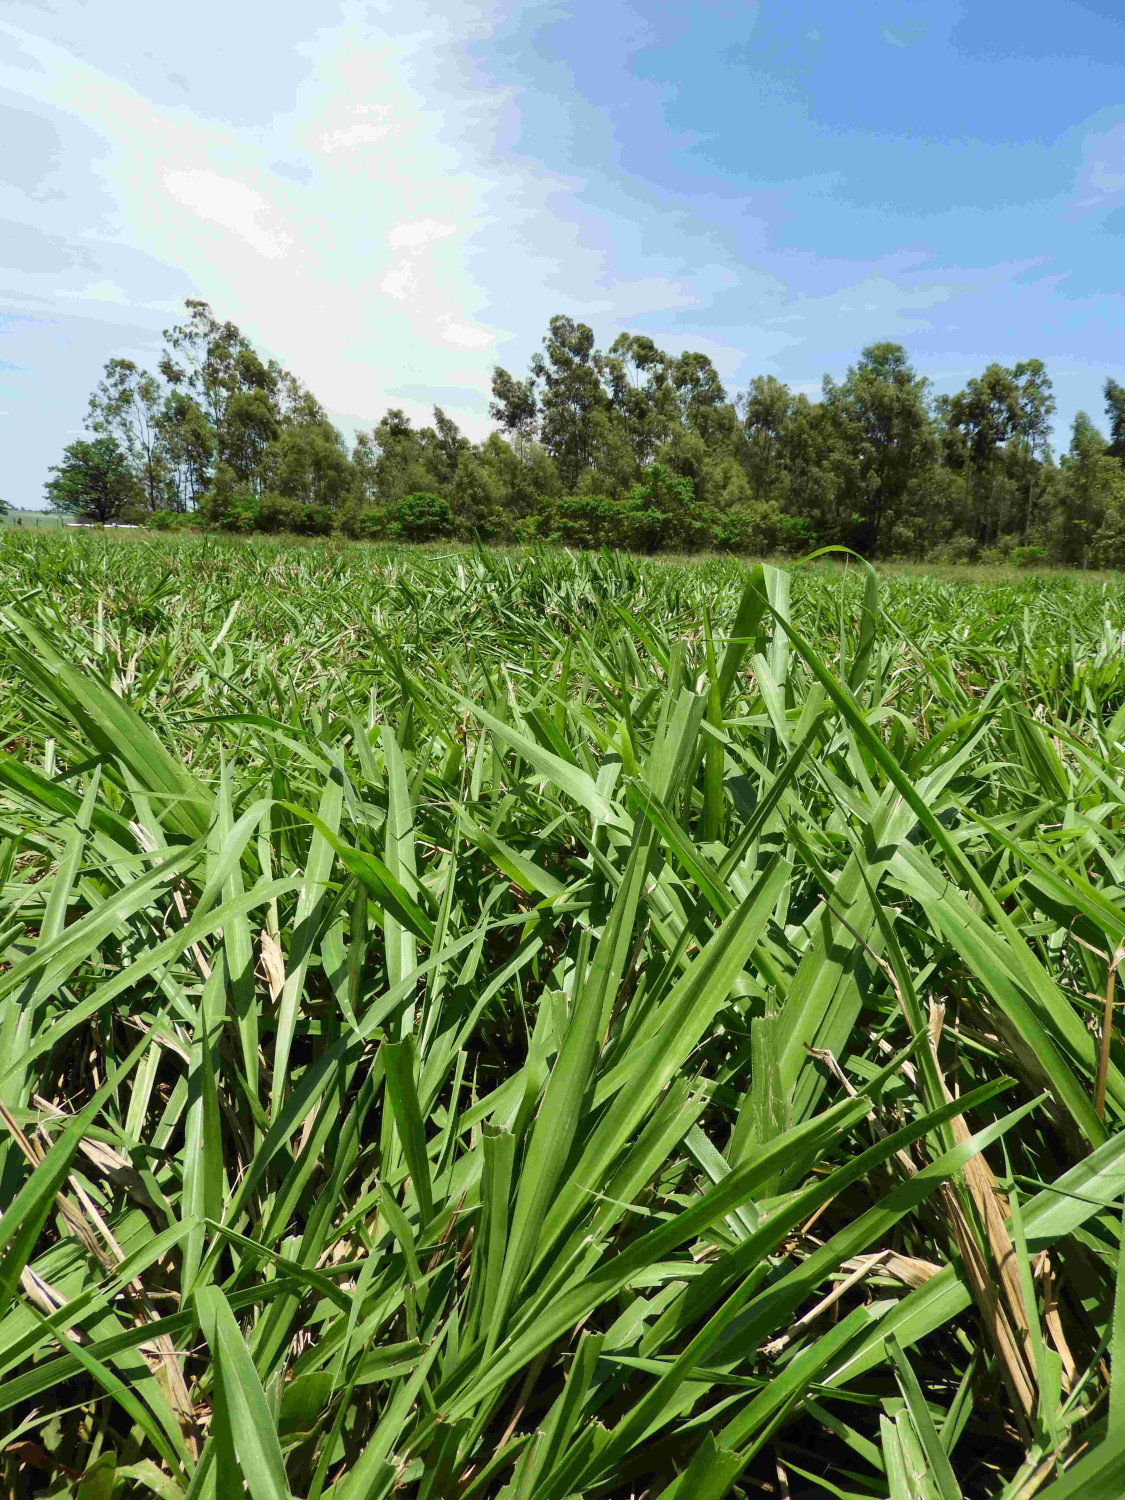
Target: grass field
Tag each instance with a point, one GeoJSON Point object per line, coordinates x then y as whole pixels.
{"type": "Point", "coordinates": [31, 520]}
{"type": "Point", "coordinates": [536, 1026]}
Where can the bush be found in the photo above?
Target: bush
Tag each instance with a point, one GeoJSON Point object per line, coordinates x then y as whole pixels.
{"type": "Point", "coordinates": [579, 521]}
{"type": "Point", "coordinates": [1027, 557]}
{"type": "Point", "coordinates": [958, 549]}
{"type": "Point", "coordinates": [172, 520]}
{"type": "Point", "coordinates": [366, 525]}
{"type": "Point", "coordinates": [421, 517]}
{"type": "Point", "coordinates": [276, 513]}
{"type": "Point", "coordinates": [230, 503]}
{"type": "Point", "coordinates": [234, 507]}
{"type": "Point", "coordinates": [748, 528]}
{"type": "Point", "coordinates": [795, 534]}
{"type": "Point", "coordinates": [476, 500]}
{"type": "Point", "coordinates": [659, 512]}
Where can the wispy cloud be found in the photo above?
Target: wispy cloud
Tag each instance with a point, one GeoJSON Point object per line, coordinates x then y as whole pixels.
{"type": "Point", "coordinates": [1101, 173]}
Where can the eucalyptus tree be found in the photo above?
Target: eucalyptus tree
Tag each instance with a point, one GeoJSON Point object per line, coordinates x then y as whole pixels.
{"type": "Point", "coordinates": [881, 413]}
{"type": "Point", "coordinates": [127, 406]}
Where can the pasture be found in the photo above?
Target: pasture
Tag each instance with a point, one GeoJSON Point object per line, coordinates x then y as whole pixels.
{"type": "Point", "coordinates": [535, 1026]}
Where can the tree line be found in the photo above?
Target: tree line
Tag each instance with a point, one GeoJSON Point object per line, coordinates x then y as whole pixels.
{"type": "Point", "coordinates": [628, 447]}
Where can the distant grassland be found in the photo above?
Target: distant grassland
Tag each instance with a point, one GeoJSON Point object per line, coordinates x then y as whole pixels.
{"type": "Point", "coordinates": [527, 1025]}
{"type": "Point", "coordinates": [33, 520]}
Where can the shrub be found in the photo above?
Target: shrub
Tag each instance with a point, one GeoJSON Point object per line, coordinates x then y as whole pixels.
{"type": "Point", "coordinates": [315, 520]}
{"type": "Point", "coordinates": [421, 517]}
{"type": "Point", "coordinates": [958, 549]}
{"type": "Point", "coordinates": [230, 503]}
{"type": "Point", "coordinates": [659, 511]}
{"type": "Point", "coordinates": [476, 500]}
{"type": "Point", "coordinates": [1027, 557]}
{"type": "Point", "coordinates": [172, 520]}
{"type": "Point", "coordinates": [795, 534]}
{"type": "Point", "coordinates": [748, 528]}
{"type": "Point", "coordinates": [276, 513]}
{"type": "Point", "coordinates": [579, 521]}
{"type": "Point", "coordinates": [366, 525]}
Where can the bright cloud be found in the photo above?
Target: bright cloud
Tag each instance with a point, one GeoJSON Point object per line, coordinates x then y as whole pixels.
{"type": "Point", "coordinates": [417, 236]}
{"type": "Point", "coordinates": [400, 282]}
{"type": "Point", "coordinates": [462, 336]}
{"type": "Point", "coordinates": [229, 204]}
{"type": "Point", "coordinates": [365, 230]}
{"type": "Point", "coordinates": [369, 127]}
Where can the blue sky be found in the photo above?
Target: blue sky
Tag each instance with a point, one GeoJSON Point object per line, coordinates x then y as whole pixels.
{"type": "Point", "coordinates": [391, 199]}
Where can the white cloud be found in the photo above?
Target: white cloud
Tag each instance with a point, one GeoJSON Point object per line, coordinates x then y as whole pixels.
{"type": "Point", "coordinates": [229, 204]}
{"type": "Point", "coordinates": [400, 282]}
{"type": "Point", "coordinates": [417, 235]}
{"type": "Point", "coordinates": [362, 222]}
{"type": "Point", "coordinates": [634, 296]}
{"type": "Point", "coordinates": [464, 336]}
{"type": "Point", "coordinates": [891, 39]}
{"type": "Point", "coordinates": [369, 127]}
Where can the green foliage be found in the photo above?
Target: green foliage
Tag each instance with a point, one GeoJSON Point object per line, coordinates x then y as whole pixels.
{"type": "Point", "coordinates": [628, 447]}
{"type": "Point", "coordinates": [94, 483]}
{"type": "Point", "coordinates": [795, 534]}
{"type": "Point", "coordinates": [1027, 557]}
{"type": "Point", "coordinates": [476, 500]}
{"type": "Point", "coordinates": [660, 509]}
{"type": "Point", "coordinates": [171, 520]}
{"type": "Point", "coordinates": [230, 503]}
{"type": "Point", "coordinates": [367, 523]}
{"type": "Point", "coordinates": [420, 518]}
{"type": "Point", "coordinates": [284, 513]}
{"type": "Point", "coordinates": [509, 1025]}
{"type": "Point", "coordinates": [580, 521]}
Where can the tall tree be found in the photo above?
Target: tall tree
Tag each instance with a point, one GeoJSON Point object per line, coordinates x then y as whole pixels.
{"type": "Point", "coordinates": [569, 371]}
{"type": "Point", "coordinates": [126, 405]}
{"type": "Point", "coordinates": [449, 442]}
{"type": "Point", "coordinates": [188, 440]}
{"type": "Point", "coordinates": [765, 409]}
{"type": "Point", "coordinates": [396, 458]}
{"type": "Point", "coordinates": [701, 396]}
{"type": "Point", "coordinates": [514, 407]}
{"type": "Point", "coordinates": [1091, 488]}
{"type": "Point", "coordinates": [987, 414]}
{"type": "Point", "coordinates": [308, 462]}
{"type": "Point", "coordinates": [1035, 405]}
{"type": "Point", "coordinates": [881, 413]}
{"type": "Point", "coordinates": [635, 374]}
{"type": "Point", "coordinates": [202, 356]}
{"type": "Point", "coordinates": [1115, 411]}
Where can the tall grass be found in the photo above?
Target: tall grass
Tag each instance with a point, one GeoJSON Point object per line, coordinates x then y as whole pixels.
{"type": "Point", "coordinates": [543, 1026]}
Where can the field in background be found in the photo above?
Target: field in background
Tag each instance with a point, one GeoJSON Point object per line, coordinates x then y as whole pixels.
{"type": "Point", "coordinates": [539, 1026]}
{"type": "Point", "coordinates": [32, 520]}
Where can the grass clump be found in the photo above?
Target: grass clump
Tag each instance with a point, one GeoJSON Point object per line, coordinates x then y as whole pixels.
{"type": "Point", "coordinates": [535, 1025]}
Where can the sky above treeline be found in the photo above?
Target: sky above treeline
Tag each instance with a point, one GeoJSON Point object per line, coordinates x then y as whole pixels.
{"type": "Point", "coordinates": [391, 199]}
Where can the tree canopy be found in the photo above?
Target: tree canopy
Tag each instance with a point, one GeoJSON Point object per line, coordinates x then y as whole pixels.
{"type": "Point", "coordinates": [627, 446]}
{"type": "Point", "coordinates": [95, 482]}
